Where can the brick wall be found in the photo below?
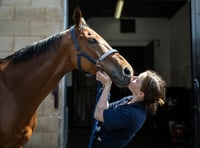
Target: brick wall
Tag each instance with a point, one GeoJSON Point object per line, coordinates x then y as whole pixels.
{"type": "Point", "coordinates": [23, 22]}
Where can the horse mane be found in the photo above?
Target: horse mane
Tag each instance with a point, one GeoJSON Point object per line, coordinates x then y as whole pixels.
{"type": "Point", "coordinates": [36, 49]}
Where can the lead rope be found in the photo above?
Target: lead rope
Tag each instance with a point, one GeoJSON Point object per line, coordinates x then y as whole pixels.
{"type": "Point", "coordinates": [95, 122]}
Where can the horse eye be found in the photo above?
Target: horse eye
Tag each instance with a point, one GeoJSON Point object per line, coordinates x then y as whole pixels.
{"type": "Point", "coordinates": [92, 41]}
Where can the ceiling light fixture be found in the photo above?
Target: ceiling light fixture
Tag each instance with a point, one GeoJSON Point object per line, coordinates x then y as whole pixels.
{"type": "Point", "coordinates": [118, 9]}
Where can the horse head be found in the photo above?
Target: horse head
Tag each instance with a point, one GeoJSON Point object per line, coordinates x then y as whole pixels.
{"type": "Point", "coordinates": [93, 53]}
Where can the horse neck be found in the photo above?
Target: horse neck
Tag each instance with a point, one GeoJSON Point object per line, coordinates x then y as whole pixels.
{"type": "Point", "coordinates": [31, 80]}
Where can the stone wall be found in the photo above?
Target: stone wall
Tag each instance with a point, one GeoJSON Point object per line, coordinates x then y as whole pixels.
{"type": "Point", "coordinates": [23, 22]}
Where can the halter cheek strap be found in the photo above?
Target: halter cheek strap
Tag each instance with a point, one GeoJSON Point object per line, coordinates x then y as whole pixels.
{"type": "Point", "coordinates": [78, 49]}
{"type": "Point", "coordinates": [81, 53]}
{"type": "Point", "coordinates": [72, 30]}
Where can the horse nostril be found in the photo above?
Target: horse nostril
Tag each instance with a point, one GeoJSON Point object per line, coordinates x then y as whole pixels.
{"type": "Point", "coordinates": [127, 72]}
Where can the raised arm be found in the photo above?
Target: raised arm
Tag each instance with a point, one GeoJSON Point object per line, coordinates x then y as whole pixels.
{"type": "Point", "coordinates": [102, 104]}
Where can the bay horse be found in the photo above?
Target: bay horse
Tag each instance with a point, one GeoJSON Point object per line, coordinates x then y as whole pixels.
{"type": "Point", "coordinates": [29, 74]}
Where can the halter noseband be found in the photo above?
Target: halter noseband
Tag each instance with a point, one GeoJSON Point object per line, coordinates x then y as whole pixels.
{"type": "Point", "coordinates": [85, 55]}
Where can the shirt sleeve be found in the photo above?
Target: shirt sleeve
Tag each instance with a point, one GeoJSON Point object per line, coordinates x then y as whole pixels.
{"type": "Point", "coordinates": [117, 118]}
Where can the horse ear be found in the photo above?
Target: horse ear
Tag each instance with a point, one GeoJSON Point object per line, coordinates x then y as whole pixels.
{"type": "Point", "coordinates": [77, 15]}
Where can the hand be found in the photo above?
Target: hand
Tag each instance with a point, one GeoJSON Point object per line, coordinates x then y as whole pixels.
{"type": "Point", "coordinates": [103, 78]}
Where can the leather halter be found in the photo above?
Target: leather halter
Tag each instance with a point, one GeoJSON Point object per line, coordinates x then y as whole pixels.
{"type": "Point", "coordinates": [85, 55]}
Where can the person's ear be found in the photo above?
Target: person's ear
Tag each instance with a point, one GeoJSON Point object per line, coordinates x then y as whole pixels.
{"type": "Point", "coordinates": [141, 94]}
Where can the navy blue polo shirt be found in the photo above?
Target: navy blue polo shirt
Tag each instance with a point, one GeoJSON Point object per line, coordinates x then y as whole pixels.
{"type": "Point", "coordinates": [121, 122]}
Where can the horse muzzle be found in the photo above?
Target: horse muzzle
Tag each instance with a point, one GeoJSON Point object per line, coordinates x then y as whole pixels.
{"type": "Point", "coordinates": [122, 79]}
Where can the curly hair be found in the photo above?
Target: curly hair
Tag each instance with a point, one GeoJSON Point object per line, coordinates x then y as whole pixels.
{"type": "Point", "coordinates": [154, 88]}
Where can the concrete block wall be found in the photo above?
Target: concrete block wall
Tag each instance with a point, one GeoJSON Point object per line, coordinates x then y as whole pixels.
{"type": "Point", "coordinates": [23, 22]}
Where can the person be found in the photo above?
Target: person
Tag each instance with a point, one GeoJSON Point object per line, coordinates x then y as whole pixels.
{"type": "Point", "coordinates": [122, 119]}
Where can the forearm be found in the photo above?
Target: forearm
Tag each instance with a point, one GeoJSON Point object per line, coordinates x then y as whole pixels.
{"type": "Point", "coordinates": [102, 103]}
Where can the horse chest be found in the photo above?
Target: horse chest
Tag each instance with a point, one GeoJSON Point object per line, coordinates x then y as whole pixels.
{"type": "Point", "coordinates": [18, 137]}
{"type": "Point", "coordinates": [17, 140]}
